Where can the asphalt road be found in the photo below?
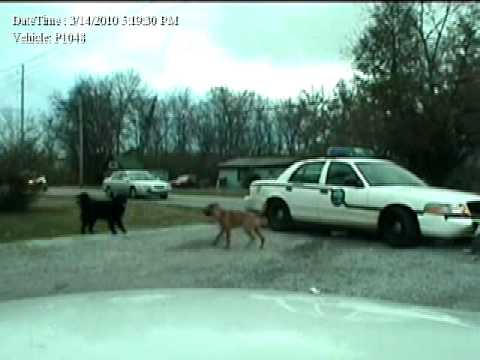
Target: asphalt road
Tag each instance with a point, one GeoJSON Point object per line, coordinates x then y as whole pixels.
{"type": "Point", "coordinates": [182, 257]}
{"type": "Point", "coordinates": [195, 201]}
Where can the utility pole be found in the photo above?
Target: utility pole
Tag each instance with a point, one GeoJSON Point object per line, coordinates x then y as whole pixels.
{"type": "Point", "coordinates": [80, 131]}
{"type": "Point", "coordinates": [22, 107]}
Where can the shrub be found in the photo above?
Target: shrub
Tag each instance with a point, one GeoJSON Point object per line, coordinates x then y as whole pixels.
{"type": "Point", "coordinates": [16, 195]}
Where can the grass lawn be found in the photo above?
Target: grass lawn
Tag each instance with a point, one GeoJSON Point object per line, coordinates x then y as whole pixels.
{"type": "Point", "coordinates": [56, 217]}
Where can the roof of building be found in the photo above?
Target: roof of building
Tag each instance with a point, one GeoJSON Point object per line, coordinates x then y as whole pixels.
{"type": "Point", "coordinates": [258, 162]}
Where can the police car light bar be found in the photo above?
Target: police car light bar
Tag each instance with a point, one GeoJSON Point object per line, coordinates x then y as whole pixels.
{"type": "Point", "coordinates": [346, 151]}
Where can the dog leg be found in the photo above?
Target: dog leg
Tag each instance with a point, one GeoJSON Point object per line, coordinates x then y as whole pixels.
{"type": "Point", "coordinates": [111, 225]}
{"type": "Point", "coordinates": [262, 238]}
{"type": "Point", "coordinates": [217, 238]}
{"type": "Point", "coordinates": [227, 238]}
{"type": "Point", "coordinates": [250, 235]}
{"type": "Point", "coordinates": [120, 225]}
{"type": "Point", "coordinates": [83, 227]}
{"type": "Point", "coordinates": [90, 226]}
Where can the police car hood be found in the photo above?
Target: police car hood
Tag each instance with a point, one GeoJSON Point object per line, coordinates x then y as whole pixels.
{"type": "Point", "coordinates": [230, 324]}
{"type": "Point", "coordinates": [427, 194]}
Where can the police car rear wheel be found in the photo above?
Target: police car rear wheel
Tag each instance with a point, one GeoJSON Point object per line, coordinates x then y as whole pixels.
{"type": "Point", "coordinates": [278, 216]}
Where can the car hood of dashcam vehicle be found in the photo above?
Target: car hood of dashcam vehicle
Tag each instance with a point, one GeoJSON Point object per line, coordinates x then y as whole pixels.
{"type": "Point", "coordinates": [231, 324]}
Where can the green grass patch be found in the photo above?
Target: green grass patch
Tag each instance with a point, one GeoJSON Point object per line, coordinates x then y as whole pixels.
{"type": "Point", "coordinates": [59, 217]}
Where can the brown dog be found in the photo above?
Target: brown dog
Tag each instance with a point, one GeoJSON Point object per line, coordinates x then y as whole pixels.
{"type": "Point", "coordinates": [230, 219]}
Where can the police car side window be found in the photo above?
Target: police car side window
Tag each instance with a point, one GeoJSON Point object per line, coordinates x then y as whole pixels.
{"type": "Point", "coordinates": [339, 173]}
{"type": "Point", "coordinates": [307, 173]}
{"type": "Point", "coordinates": [119, 176]}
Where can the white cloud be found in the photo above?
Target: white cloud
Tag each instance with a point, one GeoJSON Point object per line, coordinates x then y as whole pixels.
{"type": "Point", "coordinates": [96, 64]}
{"type": "Point", "coordinates": [188, 55]}
{"type": "Point", "coordinates": [183, 56]}
{"type": "Point", "coordinates": [193, 61]}
{"type": "Point", "coordinates": [189, 59]}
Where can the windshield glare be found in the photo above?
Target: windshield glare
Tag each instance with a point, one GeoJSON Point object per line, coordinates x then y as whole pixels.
{"type": "Point", "coordinates": [383, 173]}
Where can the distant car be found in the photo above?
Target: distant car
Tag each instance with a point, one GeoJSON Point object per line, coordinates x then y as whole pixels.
{"type": "Point", "coordinates": [39, 182]}
{"type": "Point", "coordinates": [135, 183]}
{"type": "Point", "coordinates": [187, 180]}
{"type": "Point", "coordinates": [365, 192]}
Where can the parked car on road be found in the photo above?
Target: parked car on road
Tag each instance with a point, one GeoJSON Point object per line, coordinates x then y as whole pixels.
{"type": "Point", "coordinates": [135, 183]}
{"type": "Point", "coordinates": [184, 181]}
{"type": "Point", "coordinates": [368, 193]}
{"type": "Point", "coordinates": [38, 182]}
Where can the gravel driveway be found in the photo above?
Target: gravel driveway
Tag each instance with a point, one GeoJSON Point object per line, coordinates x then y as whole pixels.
{"type": "Point", "coordinates": [183, 257]}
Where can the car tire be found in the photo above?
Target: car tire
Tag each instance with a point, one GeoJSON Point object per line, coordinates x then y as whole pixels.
{"type": "Point", "coordinates": [164, 196]}
{"type": "Point", "coordinates": [278, 216]}
{"type": "Point", "coordinates": [399, 228]}
{"type": "Point", "coordinates": [132, 193]}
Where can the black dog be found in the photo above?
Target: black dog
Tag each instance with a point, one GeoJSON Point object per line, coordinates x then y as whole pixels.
{"type": "Point", "coordinates": [111, 210]}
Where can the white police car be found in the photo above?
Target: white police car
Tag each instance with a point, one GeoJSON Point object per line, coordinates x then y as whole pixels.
{"type": "Point", "coordinates": [351, 188]}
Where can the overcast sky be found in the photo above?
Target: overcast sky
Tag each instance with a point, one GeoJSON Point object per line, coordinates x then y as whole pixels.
{"type": "Point", "coordinates": [276, 49]}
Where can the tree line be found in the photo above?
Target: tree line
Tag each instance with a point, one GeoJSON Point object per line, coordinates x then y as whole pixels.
{"type": "Point", "coordinates": [414, 98]}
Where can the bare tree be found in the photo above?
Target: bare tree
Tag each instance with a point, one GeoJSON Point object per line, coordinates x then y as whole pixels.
{"type": "Point", "coordinates": [106, 104]}
{"type": "Point", "coordinates": [125, 88]}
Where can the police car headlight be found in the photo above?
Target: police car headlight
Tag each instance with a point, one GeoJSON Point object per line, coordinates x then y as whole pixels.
{"type": "Point", "coordinates": [447, 209]}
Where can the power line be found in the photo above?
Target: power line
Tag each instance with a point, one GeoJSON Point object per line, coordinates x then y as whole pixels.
{"type": "Point", "coordinates": [30, 60]}
{"type": "Point", "coordinates": [48, 52]}
{"type": "Point", "coordinates": [9, 69]}
{"type": "Point", "coordinates": [43, 54]}
{"type": "Point", "coordinates": [39, 84]}
{"type": "Point", "coordinates": [9, 80]}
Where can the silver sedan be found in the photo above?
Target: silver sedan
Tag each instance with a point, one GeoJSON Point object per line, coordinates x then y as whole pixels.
{"type": "Point", "coordinates": [135, 183]}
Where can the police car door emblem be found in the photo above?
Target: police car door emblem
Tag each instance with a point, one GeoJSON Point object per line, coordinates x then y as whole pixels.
{"type": "Point", "coordinates": [337, 197]}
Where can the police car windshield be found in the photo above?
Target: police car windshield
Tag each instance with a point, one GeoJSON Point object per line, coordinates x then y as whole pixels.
{"type": "Point", "coordinates": [383, 173]}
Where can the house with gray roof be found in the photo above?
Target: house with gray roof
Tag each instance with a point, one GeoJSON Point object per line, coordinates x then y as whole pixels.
{"type": "Point", "coordinates": [239, 172]}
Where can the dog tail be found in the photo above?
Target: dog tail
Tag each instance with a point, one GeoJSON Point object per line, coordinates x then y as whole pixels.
{"type": "Point", "coordinates": [83, 199]}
